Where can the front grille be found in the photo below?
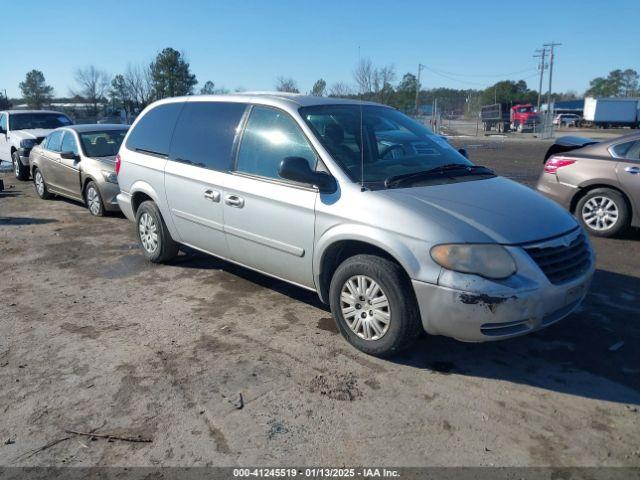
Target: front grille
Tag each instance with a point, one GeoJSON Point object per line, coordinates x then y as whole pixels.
{"type": "Point", "coordinates": [562, 264]}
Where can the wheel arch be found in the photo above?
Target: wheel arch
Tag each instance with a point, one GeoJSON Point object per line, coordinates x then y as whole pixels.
{"type": "Point", "coordinates": [140, 192]}
{"type": "Point", "coordinates": [584, 190]}
{"type": "Point", "coordinates": [333, 249]}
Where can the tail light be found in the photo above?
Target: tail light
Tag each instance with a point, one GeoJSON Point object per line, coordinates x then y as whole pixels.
{"type": "Point", "coordinates": [118, 163]}
{"type": "Point", "coordinates": [554, 163]}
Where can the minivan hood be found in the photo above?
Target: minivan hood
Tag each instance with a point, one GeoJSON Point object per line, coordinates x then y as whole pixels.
{"type": "Point", "coordinates": [496, 210]}
{"type": "Point", "coordinates": [31, 133]}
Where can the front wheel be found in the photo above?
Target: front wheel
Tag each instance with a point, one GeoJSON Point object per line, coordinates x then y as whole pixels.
{"type": "Point", "coordinates": [40, 185]}
{"type": "Point", "coordinates": [94, 200]}
{"type": "Point", "coordinates": [156, 241]}
{"type": "Point", "coordinates": [19, 170]}
{"type": "Point", "coordinates": [374, 305]}
{"type": "Point", "coordinates": [603, 212]}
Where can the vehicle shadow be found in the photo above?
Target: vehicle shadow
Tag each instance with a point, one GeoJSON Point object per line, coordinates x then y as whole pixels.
{"type": "Point", "coordinates": [8, 221]}
{"type": "Point", "coordinates": [193, 259]}
{"type": "Point", "coordinates": [593, 353]}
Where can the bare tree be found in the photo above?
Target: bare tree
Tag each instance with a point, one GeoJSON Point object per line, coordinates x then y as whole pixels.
{"type": "Point", "coordinates": [94, 85]}
{"type": "Point", "coordinates": [285, 84]}
{"type": "Point", "coordinates": [139, 85]}
{"type": "Point", "coordinates": [364, 74]}
{"type": "Point", "coordinates": [340, 89]}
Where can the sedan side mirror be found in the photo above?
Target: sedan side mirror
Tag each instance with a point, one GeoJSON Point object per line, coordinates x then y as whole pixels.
{"type": "Point", "coordinates": [297, 169]}
{"type": "Point", "coordinates": [70, 156]}
{"type": "Point", "coordinates": [463, 152]}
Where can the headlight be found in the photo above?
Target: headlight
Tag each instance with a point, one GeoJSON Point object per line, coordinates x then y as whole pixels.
{"type": "Point", "coordinates": [110, 177]}
{"type": "Point", "coordinates": [28, 143]}
{"type": "Point", "coordinates": [486, 260]}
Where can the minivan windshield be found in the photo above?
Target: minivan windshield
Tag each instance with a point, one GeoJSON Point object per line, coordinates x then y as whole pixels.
{"type": "Point", "coordinates": [48, 121]}
{"type": "Point", "coordinates": [375, 144]}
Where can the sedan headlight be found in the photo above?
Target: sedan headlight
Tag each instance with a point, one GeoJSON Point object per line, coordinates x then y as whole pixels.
{"type": "Point", "coordinates": [487, 260]}
{"type": "Point", "coordinates": [28, 143]}
{"type": "Point", "coordinates": [110, 177]}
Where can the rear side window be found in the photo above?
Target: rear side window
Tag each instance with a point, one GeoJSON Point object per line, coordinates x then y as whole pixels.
{"type": "Point", "coordinates": [628, 150]}
{"type": "Point", "coordinates": [270, 136]}
{"type": "Point", "coordinates": [152, 134]}
{"type": "Point", "coordinates": [54, 141]}
{"type": "Point", "coordinates": [204, 134]}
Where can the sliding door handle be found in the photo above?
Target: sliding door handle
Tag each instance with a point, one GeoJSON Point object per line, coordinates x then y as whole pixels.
{"type": "Point", "coordinates": [234, 201]}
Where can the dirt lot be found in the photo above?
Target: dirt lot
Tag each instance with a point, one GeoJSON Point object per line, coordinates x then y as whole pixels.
{"type": "Point", "coordinates": [93, 337]}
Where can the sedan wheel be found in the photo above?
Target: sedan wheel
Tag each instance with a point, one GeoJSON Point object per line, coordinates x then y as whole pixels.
{"type": "Point", "coordinates": [41, 187]}
{"type": "Point", "coordinates": [93, 200]}
{"type": "Point", "coordinates": [600, 213]}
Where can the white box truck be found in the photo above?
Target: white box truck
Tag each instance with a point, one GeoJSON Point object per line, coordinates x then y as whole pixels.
{"type": "Point", "coordinates": [611, 112]}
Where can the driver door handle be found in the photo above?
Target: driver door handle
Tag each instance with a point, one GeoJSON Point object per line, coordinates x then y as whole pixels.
{"type": "Point", "coordinates": [212, 195]}
{"type": "Point", "coordinates": [234, 201]}
{"type": "Point", "coordinates": [632, 170]}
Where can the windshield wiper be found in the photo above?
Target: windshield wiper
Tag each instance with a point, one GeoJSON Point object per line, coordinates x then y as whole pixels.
{"type": "Point", "coordinates": [396, 180]}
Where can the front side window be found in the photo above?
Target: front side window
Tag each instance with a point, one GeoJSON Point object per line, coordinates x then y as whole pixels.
{"type": "Point", "coordinates": [205, 132]}
{"type": "Point", "coordinates": [3, 122]}
{"type": "Point", "coordinates": [54, 142]}
{"type": "Point", "coordinates": [374, 143]}
{"type": "Point", "coordinates": [270, 136]}
{"type": "Point", "coordinates": [152, 133]}
{"type": "Point", "coordinates": [30, 121]}
{"type": "Point", "coordinates": [102, 144]}
{"type": "Point", "coordinates": [69, 143]}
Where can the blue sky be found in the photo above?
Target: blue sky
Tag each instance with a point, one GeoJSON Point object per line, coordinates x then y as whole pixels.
{"type": "Point", "coordinates": [249, 43]}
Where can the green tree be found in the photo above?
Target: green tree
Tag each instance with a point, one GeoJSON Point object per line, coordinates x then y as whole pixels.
{"type": "Point", "coordinates": [119, 93]}
{"type": "Point", "coordinates": [618, 83]}
{"type": "Point", "coordinates": [170, 75]}
{"type": "Point", "coordinates": [209, 88]}
{"type": "Point", "coordinates": [35, 90]}
{"type": "Point", "coordinates": [319, 88]}
{"type": "Point", "coordinates": [405, 97]}
{"type": "Point", "coordinates": [508, 91]}
{"type": "Point", "coordinates": [5, 104]}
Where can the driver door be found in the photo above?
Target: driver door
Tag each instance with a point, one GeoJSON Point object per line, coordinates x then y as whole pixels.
{"type": "Point", "coordinates": [65, 172]}
{"type": "Point", "coordinates": [4, 139]}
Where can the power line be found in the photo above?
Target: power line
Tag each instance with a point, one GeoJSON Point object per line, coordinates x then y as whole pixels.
{"type": "Point", "coordinates": [476, 75]}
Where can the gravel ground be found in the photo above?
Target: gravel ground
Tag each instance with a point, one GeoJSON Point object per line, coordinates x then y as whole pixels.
{"type": "Point", "coordinates": [94, 337]}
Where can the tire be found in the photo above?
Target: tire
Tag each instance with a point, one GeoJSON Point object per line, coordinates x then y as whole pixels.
{"type": "Point", "coordinates": [93, 200]}
{"type": "Point", "coordinates": [153, 235]}
{"type": "Point", "coordinates": [401, 310]}
{"type": "Point", "coordinates": [19, 170]}
{"type": "Point", "coordinates": [596, 210]}
{"type": "Point", "coordinates": [40, 185]}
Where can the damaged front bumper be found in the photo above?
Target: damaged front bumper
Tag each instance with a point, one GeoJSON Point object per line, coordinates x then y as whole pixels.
{"type": "Point", "coordinates": [474, 309]}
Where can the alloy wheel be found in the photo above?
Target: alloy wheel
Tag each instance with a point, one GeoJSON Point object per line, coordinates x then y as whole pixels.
{"type": "Point", "coordinates": [148, 230]}
{"type": "Point", "coordinates": [93, 201]}
{"type": "Point", "coordinates": [39, 181]}
{"type": "Point", "coordinates": [365, 307]}
{"type": "Point", "coordinates": [600, 213]}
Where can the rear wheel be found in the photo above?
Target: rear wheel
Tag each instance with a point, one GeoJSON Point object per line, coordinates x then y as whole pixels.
{"type": "Point", "coordinates": [374, 305]}
{"type": "Point", "coordinates": [603, 212]}
{"type": "Point", "coordinates": [40, 185]}
{"type": "Point", "coordinates": [154, 237]}
{"type": "Point", "coordinates": [19, 170]}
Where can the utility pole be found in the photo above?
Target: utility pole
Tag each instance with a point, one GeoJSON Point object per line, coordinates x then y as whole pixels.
{"type": "Point", "coordinates": [551, 46]}
{"type": "Point", "coordinates": [541, 54]}
{"type": "Point", "coordinates": [420, 67]}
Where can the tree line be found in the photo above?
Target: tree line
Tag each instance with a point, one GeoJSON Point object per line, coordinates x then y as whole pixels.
{"type": "Point", "coordinates": [169, 75]}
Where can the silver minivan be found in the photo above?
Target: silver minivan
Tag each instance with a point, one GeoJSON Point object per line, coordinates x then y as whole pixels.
{"type": "Point", "coordinates": [393, 228]}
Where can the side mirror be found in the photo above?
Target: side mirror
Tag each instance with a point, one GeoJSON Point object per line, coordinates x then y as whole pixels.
{"type": "Point", "coordinates": [70, 156]}
{"type": "Point", "coordinates": [463, 152]}
{"type": "Point", "coordinates": [297, 169]}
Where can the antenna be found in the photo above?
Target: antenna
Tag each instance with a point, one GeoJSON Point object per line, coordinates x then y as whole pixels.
{"type": "Point", "coordinates": [361, 135]}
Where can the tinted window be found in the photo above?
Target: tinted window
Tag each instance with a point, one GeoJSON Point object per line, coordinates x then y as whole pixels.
{"type": "Point", "coordinates": [3, 122]}
{"type": "Point", "coordinates": [69, 143]}
{"type": "Point", "coordinates": [153, 132]}
{"type": "Point", "coordinates": [27, 121]}
{"type": "Point", "coordinates": [270, 136]}
{"type": "Point", "coordinates": [204, 134]}
{"type": "Point", "coordinates": [629, 150]}
{"type": "Point", "coordinates": [54, 141]}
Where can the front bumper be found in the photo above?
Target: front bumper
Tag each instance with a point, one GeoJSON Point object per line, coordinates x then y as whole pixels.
{"type": "Point", "coordinates": [487, 310]}
{"type": "Point", "coordinates": [109, 192]}
{"type": "Point", "coordinates": [23, 153]}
